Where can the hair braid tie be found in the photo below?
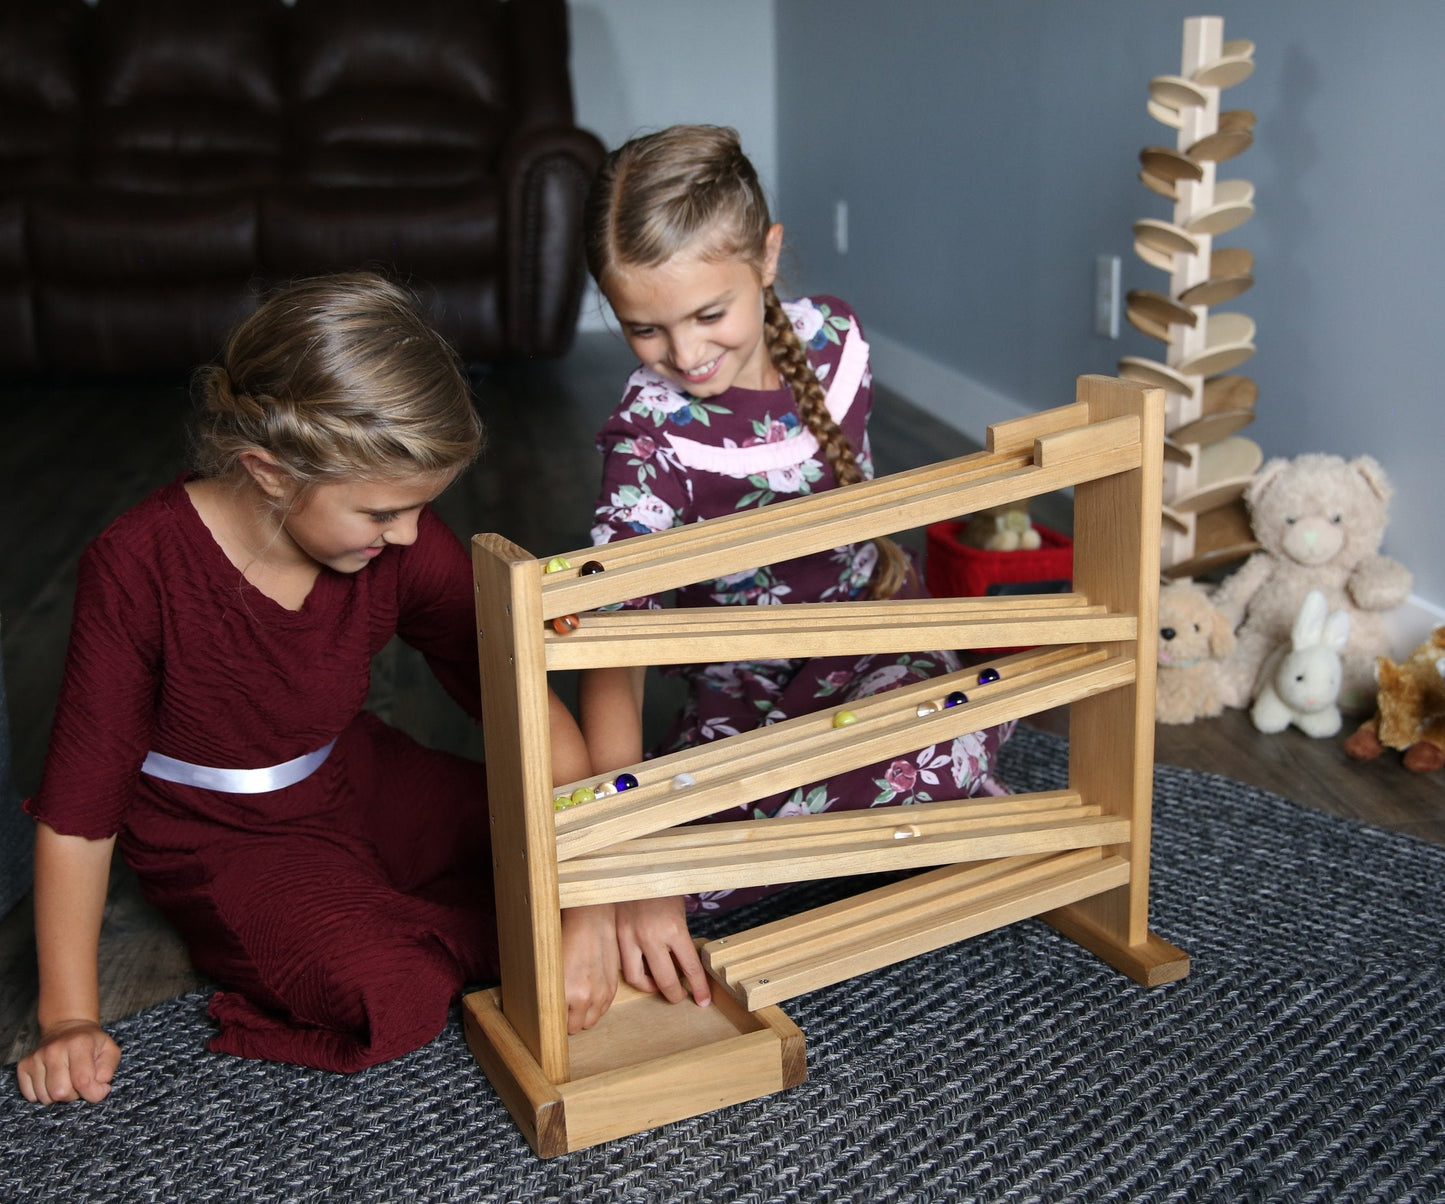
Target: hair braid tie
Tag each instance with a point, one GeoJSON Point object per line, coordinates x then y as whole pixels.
{"type": "Point", "coordinates": [215, 391]}
{"type": "Point", "coordinates": [228, 403]}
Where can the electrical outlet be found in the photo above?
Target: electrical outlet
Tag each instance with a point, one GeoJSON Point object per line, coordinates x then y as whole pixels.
{"type": "Point", "coordinates": [1106, 296]}
{"type": "Point", "coordinates": [840, 227]}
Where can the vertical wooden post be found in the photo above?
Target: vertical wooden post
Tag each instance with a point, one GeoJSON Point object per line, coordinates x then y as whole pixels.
{"type": "Point", "coordinates": [1111, 735]}
{"type": "Point", "coordinates": [524, 847]}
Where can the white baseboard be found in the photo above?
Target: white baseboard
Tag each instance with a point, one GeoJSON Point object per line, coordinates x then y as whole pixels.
{"type": "Point", "coordinates": [1408, 625]}
{"type": "Point", "coordinates": [952, 396]}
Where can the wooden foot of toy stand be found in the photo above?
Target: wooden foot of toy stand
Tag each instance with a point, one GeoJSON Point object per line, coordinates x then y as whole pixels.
{"type": "Point", "coordinates": [1078, 857]}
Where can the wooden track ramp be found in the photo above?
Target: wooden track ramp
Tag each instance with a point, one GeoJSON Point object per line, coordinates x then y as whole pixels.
{"type": "Point", "coordinates": [777, 961]}
{"type": "Point", "coordinates": [785, 755]}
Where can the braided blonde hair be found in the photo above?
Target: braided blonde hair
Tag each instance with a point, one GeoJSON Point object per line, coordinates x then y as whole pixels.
{"type": "Point", "coordinates": [338, 378]}
{"type": "Point", "coordinates": [690, 187]}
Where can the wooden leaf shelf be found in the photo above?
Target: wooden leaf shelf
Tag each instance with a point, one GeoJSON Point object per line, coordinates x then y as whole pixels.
{"type": "Point", "coordinates": [1079, 857]}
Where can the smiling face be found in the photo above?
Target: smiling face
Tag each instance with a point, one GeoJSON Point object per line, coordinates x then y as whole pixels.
{"type": "Point", "coordinates": [346, 525]}
{"type": "Point", "coordinates": [698, 322]}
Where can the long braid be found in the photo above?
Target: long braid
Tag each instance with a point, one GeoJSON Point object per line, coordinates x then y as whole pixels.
{"type": "Point", "coordinates": [786, 349]}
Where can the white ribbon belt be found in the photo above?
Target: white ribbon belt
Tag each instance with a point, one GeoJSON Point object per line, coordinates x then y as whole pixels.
{"type": "Point", "coordinates": [236, 781]}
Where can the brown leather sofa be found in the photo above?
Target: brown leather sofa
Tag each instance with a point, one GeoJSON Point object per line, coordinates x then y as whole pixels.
{"type": "Point", "coordinates": [163, 162]}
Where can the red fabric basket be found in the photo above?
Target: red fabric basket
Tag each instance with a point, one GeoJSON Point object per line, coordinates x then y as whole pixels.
{"type": "Point", "coordinates": [953, 569]}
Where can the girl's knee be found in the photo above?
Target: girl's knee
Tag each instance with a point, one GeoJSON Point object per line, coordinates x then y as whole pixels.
{"type": "Point", "coordinates": [382, 965]}
{"type": "Point", "coordinates": [392, 994]}
{"type": "Point", "coordinates": [343, 1016]}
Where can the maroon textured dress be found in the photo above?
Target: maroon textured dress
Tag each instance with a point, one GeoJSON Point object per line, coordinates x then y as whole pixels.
{"type": "Point", "coordinates": [340, 915]}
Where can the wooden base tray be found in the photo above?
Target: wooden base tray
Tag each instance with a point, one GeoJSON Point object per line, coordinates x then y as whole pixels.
{"type": "Point", "coordinates": [646, 1063]}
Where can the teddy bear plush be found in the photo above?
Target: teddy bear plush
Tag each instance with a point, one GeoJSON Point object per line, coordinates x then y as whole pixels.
{"type": "Point", "coordinates": [1194, 639]}
{"type": "Point", "coordinates": [1411, 714]}
{"type": "Point", "coordinates": [1319, 521]}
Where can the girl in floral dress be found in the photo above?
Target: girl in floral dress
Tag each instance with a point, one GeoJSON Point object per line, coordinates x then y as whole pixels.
{"type": "Point", "coordinates": [740, 400]}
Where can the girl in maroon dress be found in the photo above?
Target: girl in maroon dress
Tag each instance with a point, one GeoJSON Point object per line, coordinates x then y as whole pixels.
{"type": "Point", "coordinates": [740, 399]}
{"type": "Point", "coordinates": [329, 873]}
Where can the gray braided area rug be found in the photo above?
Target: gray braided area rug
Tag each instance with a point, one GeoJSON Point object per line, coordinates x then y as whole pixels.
{"type": "Point", "coordinates": [1302, 1060]}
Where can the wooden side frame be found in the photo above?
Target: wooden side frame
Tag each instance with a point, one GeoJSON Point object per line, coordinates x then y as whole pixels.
{"type": "Point", "coordinates": [1080, 858]}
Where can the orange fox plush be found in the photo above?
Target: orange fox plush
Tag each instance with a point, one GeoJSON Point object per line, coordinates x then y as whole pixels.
{"type": "Point", "coordinates": [1411, 714]}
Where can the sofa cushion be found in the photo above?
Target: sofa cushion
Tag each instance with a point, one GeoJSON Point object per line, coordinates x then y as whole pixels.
{"type": "Point", "coordinates": [161, 146]}
{"type": "Point", "coordinates": [398, 94]}
{"type": "Point", "coordinates": [179, 48]}
{"type": "Point", "coordinates": [17, 315]}
{"type": "Point", "coordinates": [38, 53]}
{"type": "Point", "coordinates": [467, 312]}
{"type": "Point", "coordinates": [33, 146]}
{"type": "Point", "coordinates": [19, 350]}
{"type": "Point", "coordinates": [40, 91]}
{"type": "Point", "coordinates": [188, 96]}
{"type": "Point", "coordinates": [13, 264]}
{"type": "Point", "coordinates": [405, 139]}
{"type": "Point", "coordinates": [431, 45]}
{"type": "Point", "coordinates": [443, 232]}
{"type": "Point", "coordinates": [124, 329]}
{"type": "Point", "coordinates": [101, 235]}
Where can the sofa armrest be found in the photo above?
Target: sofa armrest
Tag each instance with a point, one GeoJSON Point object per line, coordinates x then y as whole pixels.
{"type": "Point", "coordinates": [539, 57]}
{"type": "Point", "coordinates": [546, 172]}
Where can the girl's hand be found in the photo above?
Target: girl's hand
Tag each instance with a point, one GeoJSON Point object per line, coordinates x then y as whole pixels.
{"type": "Point", "coordinates": [657, 950]}
{"type": "Point", "coordinates": [589, 963]}
{"type": "Point", "coordinates": [76, 1059]}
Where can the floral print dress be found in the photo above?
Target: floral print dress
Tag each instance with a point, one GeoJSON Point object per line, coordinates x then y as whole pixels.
{"type": "Point", "coordinates": [670, 459]}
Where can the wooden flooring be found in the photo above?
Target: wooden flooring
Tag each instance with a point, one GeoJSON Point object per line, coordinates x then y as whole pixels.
{"type": "Point", "coordinates": [74, 456]}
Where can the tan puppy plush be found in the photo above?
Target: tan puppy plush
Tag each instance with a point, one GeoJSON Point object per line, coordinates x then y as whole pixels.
{"type": "Point", "coordinates": [1194, 641]}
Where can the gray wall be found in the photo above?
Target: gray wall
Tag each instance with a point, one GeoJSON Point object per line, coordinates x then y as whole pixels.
{"type": "Point", "coordinates": [639, 65]}
{"type": "Point", "coordinates": [987, 150]}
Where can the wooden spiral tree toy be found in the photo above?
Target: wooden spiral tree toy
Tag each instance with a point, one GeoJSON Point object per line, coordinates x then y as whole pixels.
{"type": "Point", "coordinates": [1206, 464]}
{"type": "Point", "coordinates": [1078, 857]}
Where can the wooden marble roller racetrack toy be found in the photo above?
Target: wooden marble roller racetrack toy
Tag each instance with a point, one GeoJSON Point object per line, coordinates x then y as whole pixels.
{"type": "Point", "coordinates": [1078, 857]}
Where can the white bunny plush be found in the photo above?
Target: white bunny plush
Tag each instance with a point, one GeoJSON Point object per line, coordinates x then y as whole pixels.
{"type": "Point", "coordinates": [1300, 682]}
